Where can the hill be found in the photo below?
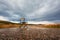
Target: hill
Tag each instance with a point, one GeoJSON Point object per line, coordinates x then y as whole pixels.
{"type": "Point", "coordinates": [7, 24]}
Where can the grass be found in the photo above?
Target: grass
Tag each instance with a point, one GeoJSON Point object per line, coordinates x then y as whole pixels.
{"type": "Point", "coordinates": [7, 24]}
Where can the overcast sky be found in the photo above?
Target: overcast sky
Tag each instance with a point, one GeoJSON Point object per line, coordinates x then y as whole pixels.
{"type": "Point", "coordinates": [32, 10]}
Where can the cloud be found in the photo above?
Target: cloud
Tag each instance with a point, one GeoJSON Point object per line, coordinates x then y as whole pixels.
{"type": "Point", "coordinates": [56, 21]}
{"type": "Point", "coordinates": [44, 22]}
{"type": "Point", "coordinates": [41, 22]}
{"type": "Point", "coordinates": [3, 18]}
{"type": "Point", "coordinates": [32, 10]}
{"type": "Point", "coordinates": [46, 9]}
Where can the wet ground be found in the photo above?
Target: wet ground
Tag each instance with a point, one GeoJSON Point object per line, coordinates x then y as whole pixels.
{"type": "Point", "coordinates": [30, 34]}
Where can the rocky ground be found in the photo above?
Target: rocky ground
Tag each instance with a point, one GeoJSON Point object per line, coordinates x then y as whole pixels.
{"type": "Point", "coordinates": [30, 34]}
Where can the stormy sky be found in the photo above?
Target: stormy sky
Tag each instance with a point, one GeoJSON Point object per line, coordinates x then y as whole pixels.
{"type": "Point", "coordinates": [32, 10]}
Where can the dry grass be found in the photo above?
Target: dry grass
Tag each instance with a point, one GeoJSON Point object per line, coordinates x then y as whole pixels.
{"type": "Point", "coordinates": [30, 25]}
{"type": "Point", "coordinates": [9, 25]}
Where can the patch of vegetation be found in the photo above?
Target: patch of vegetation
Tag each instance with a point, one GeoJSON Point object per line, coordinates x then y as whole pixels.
{"type": "Point", "coordinates": [53, 26]}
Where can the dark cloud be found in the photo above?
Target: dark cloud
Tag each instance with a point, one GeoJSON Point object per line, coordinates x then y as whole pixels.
{"type": "Point", "coordinates": [32, 10]}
